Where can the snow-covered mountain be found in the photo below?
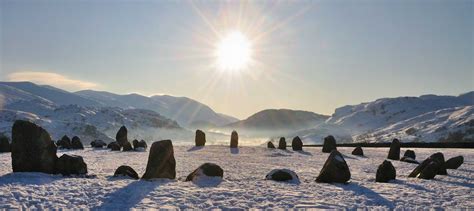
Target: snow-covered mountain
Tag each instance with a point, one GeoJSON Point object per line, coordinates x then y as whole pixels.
{"type": "Point", "coordinates": [387, 111]}
{"type": "Point", "coordinates": [426, 118]}
{"type": "Point", "coordinates": [49, 107]}
{"type": "Point", "coordinates": [94, 114]}
{"type": "Point", "coordinates": [445, 125]}
{"type": "Point", "coordinates": [90, 123]}
{"type": "Point", "coordinates": [27, 91]}
{"type": "Point", "coordinates": [184, 110]}
{"type": "Point", "coordinates": [181, 109]}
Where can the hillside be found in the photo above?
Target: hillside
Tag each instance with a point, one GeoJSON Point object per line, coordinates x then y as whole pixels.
{"type": "Point", "coordinates": [273, 122]}
{"type": "Point", "coordinates": [61, 112]}
{"type": "Point", "coordinates": [90, 123]}
{"type": "Point", "coordinates": [182, 109]}
{"type": "Point", "coordinates": [33, 98]}
{"type": "Point", "coordinates": [427, 118]}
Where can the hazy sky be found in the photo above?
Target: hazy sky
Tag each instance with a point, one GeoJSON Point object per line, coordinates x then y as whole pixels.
{"type": "Point", "coordinates": [309, 55]}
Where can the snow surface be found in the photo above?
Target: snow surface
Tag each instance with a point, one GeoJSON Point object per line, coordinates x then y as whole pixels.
{"type": "Point", "coordinates": [243, 185]}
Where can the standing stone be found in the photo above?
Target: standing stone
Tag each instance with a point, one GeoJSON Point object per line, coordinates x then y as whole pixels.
{"type": "Point", "coordinates": [126, 171]}
{"type": "Point", "coordinates": [142, 145]}
{"type": "Point", "coordinates": [127, 147]}
{"type": "Point", "coordinates": [64, 143]}
{"type": "Point", "coordinates": [32, 148]}
{"type": "Point", "coordinates": [161, 162]}
{"type": "Point", "coordinates": [200, 138]}
{"type": "Point", "coordinates": [4, 144]}
{"type": "Point", "coordinates": [358, 151]}
{"type": "Point", "coordinates": [442, 167]}
{"type": "Point", "coordinates": [394, 152]}
{"type": "Point", "coordinates": [454, 162]}
{"type": "Point", "coordinates": [297, 144]}
{"type": "Point", "coordinates": [234, 139]}
{"type": "Point", "coordinates": [409, 160]}
{"type": "Point", "coordinates": [206, 169]}
{"type": "Point", "coordinates": [121, 137]}
{"type": "Point", "coordinates": [329, 144]}
{"type": "Point", "coordinates": [385, 172]}
{"type": "Point", "coordinates": [282, 143]}
{"type": "Point", "coordinates": [114, 146]}
{"type": "Point", "coordinates": [282, 175]}
{"type": "Point", "coordinates": [139, 145]}
{"type": "Point", "coordinates": [429, 168]}
{"type": "Point", "coordinates": [98, 144]}
{"type": "Point", "coordinates": [409, 157]}
{"type": "Point", "coordinates": [270, 145]}
{"type": "Point", "coordinates": [70, 164]}
{"type": "Point", "coordinates": [409, 154]}
{"type": "Point", "coordinates": [135, 143]}
{"type": "Point", "coordinates": [76, 143]}
{"type": "Point", "coordinates": [335, 169]}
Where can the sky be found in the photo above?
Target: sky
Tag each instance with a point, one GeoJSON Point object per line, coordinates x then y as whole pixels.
{"type": "Point", "coordinates": [306, 55]}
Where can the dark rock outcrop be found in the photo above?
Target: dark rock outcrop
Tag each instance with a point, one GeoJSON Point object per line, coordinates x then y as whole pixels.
{"type": "Point", "coordinates": [135, 143]}
{"type": "Point", "coordinates": [234, 139]}
{"type": "Point", "coordinates": [126, 171]}
{"type": "Point", "coordinates": [409, 160]}
{"type": "Point", "coordinates": [394, 152]}
{"type": "Point", "coordinates": [409, 157]}
{"type": "Point", "coordinates": [76, 143]}
{"type": "Point", "coordinates": [270, 145]}
{"type": "Point", "coordinates": [121, 136]}
{"type": "Point", "coordinates": [385, 172]}
{"type": "Point", "coordinates": [64, 143]}
{"type": "Point", "coordinates": [282, 175]}
{"type": "Point", "coordinates": [4, 144]}
{"type": "Point", "coordinates": [429, 168]}
{"type": "Point", "coordinates": [140, 145]}
{"type": "Point", "coordinates": [206, 169]}
{"type": "Point", "coordinates": [329, 144]}
{"type": "Point", "coordinates": [127, 146]}
{"type": "Point", "coordinates": [410, 154]}
{"type": "Point", "coordinates": [114, 146]}
{"type": "Point", "coordinates": [70, 164]}
{"type": "Point", "coordinates": [32, 148]}
{"type": "Point", "coordinates": [282, 143]}
{"type": "Point", "coordinates": [454, 162]}
{"type": "Point", "coordinates": [358, 151]}
{"type": "Point", "coordinates": [440, 158]}
{"type": "Point", "coordinates": [297, 144]}
{"type": "Point", "coordinates": [200, 138]}
{"type": "Point", "coordinates": [161, 162]}
{"type": "Point", "coordinates": [335, 169]}
{"type": "Point", "coordinates": [98, 144]}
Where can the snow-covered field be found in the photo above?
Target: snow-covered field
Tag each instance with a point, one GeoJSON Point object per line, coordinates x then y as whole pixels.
{"type": "Point", "coordinates": [243, 185]}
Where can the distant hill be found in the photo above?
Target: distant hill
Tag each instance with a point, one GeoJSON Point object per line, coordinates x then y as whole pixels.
{"type": "Point", "coordinates": [278, 119]}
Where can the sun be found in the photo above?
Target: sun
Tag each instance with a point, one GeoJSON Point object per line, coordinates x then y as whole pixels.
{"type": "Point", "coordinates": [233, 52]}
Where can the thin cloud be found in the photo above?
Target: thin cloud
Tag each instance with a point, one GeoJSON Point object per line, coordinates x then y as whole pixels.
{"type": "Point", "coordinates": [52, 79]}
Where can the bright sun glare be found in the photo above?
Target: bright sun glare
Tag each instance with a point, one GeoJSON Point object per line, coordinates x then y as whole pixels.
{"type": "Point", "coordinates": [233, 52]}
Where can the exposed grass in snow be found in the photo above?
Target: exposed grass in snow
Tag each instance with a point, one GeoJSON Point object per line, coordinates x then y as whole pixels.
{"type": "Point", "coordinates": [243, 185]}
